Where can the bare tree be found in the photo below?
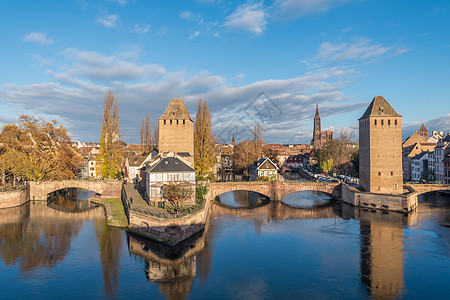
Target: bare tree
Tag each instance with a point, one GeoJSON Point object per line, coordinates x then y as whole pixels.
{"type": "Point", "coordinates": [146, 135]}
{"type": "Point", "coordinates": [156, 134]}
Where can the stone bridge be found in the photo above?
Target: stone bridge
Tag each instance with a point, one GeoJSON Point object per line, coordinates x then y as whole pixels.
{"type": "Point", "coordinates": [275, 190]}
{"type": "Point", "coordinates": [422, 188]}
{"type": "Point", "coordinates": [106, 188]}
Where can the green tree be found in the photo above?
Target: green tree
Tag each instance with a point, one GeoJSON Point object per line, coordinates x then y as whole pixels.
{"type": "Point", "coordinates": [204, 141]}
{"type": "Point", "coordinates": [110, 157]}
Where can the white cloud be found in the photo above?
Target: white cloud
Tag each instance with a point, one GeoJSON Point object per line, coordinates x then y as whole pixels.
{"type": "Point", "coordinates": [185, 15]}
{"type": "Point", "coordinates": [38, 37]}
{"type": "Point", "coordinates": [108, 20]}
{"type": "Point", "coordinates": [194, 35]}
{"type": "Point", "coordinates": [144, 28]}
{"type": "Point", "coordinates": [297, 8]}
{"type": "Point", "coordinates": [120, 2]}
{"type": "Point", "coordinates": [248, 17]}
{"type": "Point", "coordinates": [163, 31]}
{"type": "Point", "coordinates": [97, 67]}
{"type": "Point", "coordinates": [42, 61]}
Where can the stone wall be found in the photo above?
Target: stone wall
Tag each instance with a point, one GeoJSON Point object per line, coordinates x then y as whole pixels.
{"type": "Point", "coordinates": [176, 138]}
{"type": "Point", "coordinates": [14, 198]}
{"type": "Point", "coordinates": [401, 203]}
{"type": "Point", "coordinates": [169, 231]}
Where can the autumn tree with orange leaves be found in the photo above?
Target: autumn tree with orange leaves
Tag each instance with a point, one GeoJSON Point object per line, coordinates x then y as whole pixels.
{"type": "Point", "coordinates": [36, 149]}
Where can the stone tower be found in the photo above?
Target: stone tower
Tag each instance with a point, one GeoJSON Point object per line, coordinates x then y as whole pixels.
{"type": "Point", "coordinates": [176, 131]}
{"type": "Point", "coordinates": [380, 149]}
{"type": "Point", "coordinates": [317, 134]}
{"type": "Point", "coordinates": [423, 132]}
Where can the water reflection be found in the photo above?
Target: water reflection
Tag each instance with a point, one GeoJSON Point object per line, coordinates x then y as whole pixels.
{"type": "Point", "coordinates": [110, 244]}
{"type": "Point", "coordinates": [34, 236]}
{"type": "Point", "coordinates": [308, 199]}
{"type": "Point", "coordinates": [328, 250]}
{"type": "Point", "coordinates": [71, 200]}
{"type": "Point", "coordinates": [173, 268]}
{"type": "Point", "coordinates": [243, 199]}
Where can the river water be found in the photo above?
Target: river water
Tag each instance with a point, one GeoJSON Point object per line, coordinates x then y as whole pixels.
{"type": "Point", "coordinates": [307, 247]}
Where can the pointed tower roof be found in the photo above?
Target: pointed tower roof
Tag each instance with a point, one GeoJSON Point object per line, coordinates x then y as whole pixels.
{"type": "Point", "coordinates": [414, 138]}
{"type": "Point", "coordinates": [379, 107]}
{"type": "Point", "coordinates": [423, 128]}
{"type": "Point", "coordinates": [176, 110]}
{"type": "Point", "coordinates": [317, 111]}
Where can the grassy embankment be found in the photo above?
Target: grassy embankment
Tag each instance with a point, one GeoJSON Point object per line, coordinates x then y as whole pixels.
{"type": "Point", "coordinates": [115, 213]}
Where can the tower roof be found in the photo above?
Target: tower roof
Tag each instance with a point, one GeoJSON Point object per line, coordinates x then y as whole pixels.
{"type": "Point", "coordinates": [423, 128]}
{"type": "Point", "coordinates": [176, 110]}
{"type": "Point", "coordinates": [317, 111]}
{"type": "Point", "coordinates": [379, 107]}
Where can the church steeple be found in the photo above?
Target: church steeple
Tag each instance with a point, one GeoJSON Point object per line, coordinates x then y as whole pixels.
{"type": "Point", "coordinates": [317, 120]}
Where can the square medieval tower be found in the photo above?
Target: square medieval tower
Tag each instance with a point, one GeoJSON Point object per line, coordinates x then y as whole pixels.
{"type": "Point", "coordinates": [176, 131]}
{"type": "Point", "coordinates": [380, 149]}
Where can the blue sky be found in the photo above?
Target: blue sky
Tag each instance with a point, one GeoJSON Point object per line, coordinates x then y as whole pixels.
{"type": "Point", "coordinates": [58, 58]}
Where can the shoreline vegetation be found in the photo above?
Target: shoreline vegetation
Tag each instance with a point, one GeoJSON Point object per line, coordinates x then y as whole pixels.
{"type": "Point", "coordinates": [114, 211]}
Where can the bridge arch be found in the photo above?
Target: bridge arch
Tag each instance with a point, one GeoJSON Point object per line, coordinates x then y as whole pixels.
{"type": "Point", "coordinates": [106, 188]}
{"type": "Point", "coordinates": [426, 188]}
{"type": "Point", "coordinates": [275, 190]}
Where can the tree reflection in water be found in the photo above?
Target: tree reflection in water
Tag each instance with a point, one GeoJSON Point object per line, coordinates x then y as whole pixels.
{"type": "Point", "coordinates": [110, 244]}
{"type": "Point", "coordinates": [34, 237]}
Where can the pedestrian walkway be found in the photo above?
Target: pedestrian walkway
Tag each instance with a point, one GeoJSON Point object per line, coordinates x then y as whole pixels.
{"type": "Point", "coordinates": [138, 204]}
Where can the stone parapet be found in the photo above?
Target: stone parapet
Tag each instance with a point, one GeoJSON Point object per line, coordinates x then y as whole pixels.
{"type": "Point", "coordinates": [14, 198]}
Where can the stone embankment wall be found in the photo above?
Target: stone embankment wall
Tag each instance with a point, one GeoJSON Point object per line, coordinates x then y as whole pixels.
{"type": "Point", "coordinates": [169, 231]}
{"type": "Point", "coordinates": [14, 198]}
{"type": "Point", "coordinates": [401, 203]}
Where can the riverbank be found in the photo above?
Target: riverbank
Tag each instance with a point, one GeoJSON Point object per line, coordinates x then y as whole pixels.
{"type": "Point", "coordinates": [114, 211]}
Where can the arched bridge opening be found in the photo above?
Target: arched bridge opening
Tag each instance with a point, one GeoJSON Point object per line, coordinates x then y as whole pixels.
{"type": "Point", "coordinates": [106, 188]}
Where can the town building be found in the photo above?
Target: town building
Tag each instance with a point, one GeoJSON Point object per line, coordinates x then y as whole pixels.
{"type": "Point", "coordinates": [176, 131]}
{"type": "Point", "coordinates": [441, 150]}
{"type": "Point", "coordinates": [88, 168]}
{"type": "Point", "coordinates": [446, 162]}
{"type": "Point", "coordinates": [320, 138]}
{"type": "Point", "coordinates": [264, 169]}
{"type": "Point", "coordinates": [411, 151]}
{"type": "Point", "coordinates": [419, 166]}
{"type": "Point", "coordinates": [423, 132]}
{"type": "Point", "coordinates": [295, 161]}
{"type": "Point", "coordinates": [279, 151]}
{"type": "Point", "coordinates": [380, 148]}
{"type": "Point", "coordinates": [168, 170]}
{"type": "Point", "coordinates": [436, 135]}
{"type": "Point", "coordinates": [134, 168]}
